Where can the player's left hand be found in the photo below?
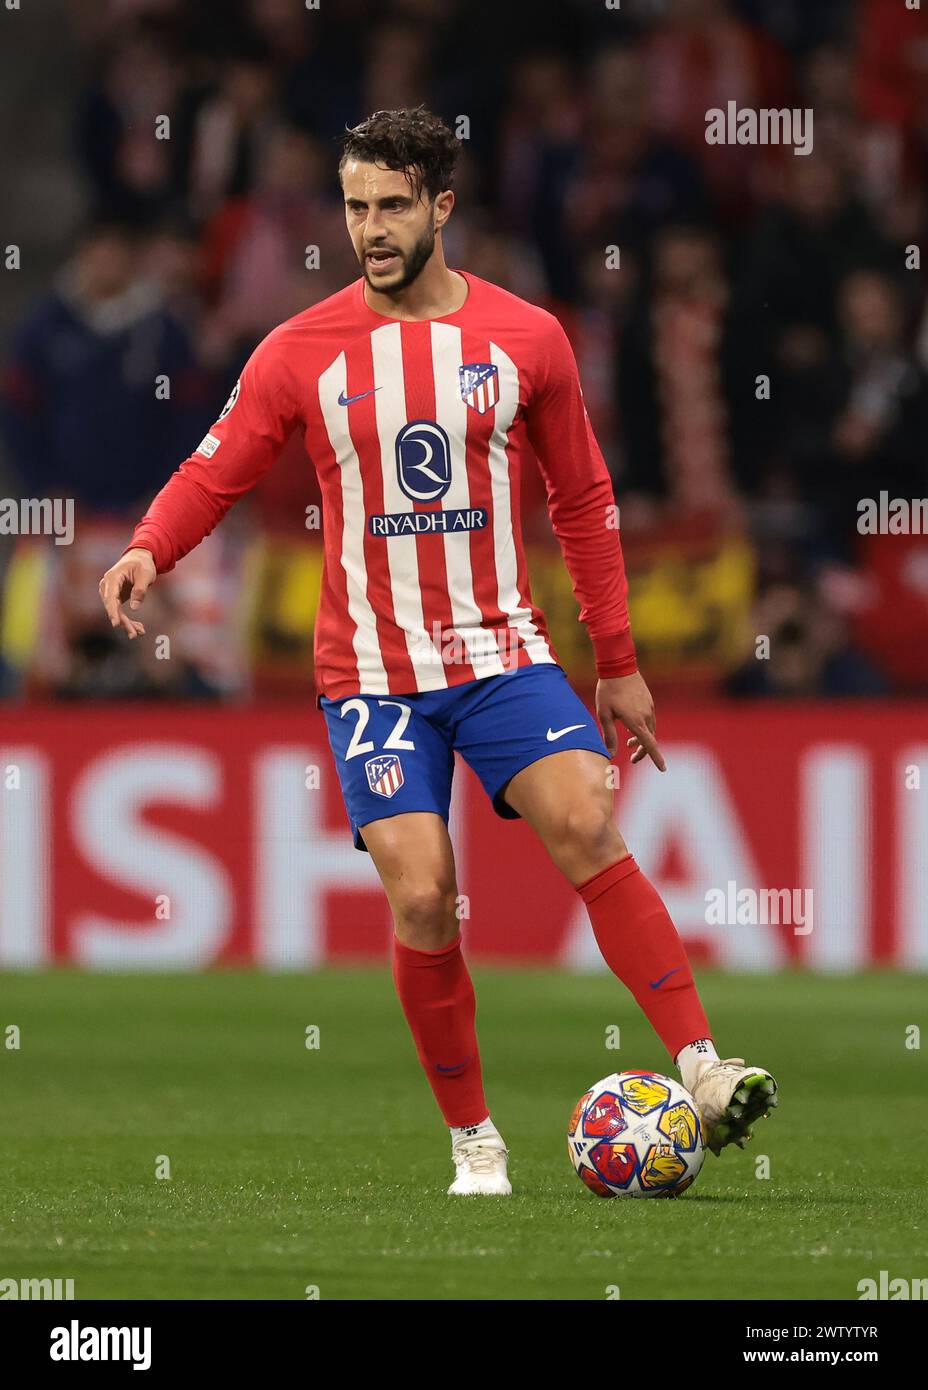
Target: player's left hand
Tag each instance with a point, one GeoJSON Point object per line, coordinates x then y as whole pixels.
{"type": "Point", "coordinates": [628, 698]}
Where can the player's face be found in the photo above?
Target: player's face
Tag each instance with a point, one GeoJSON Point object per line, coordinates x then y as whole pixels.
{"type": "Point", "coordinates": [392, 232]}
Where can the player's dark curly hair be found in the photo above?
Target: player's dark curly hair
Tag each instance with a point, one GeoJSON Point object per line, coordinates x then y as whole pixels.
{"type": "Point", "coordinates": [413, 139]}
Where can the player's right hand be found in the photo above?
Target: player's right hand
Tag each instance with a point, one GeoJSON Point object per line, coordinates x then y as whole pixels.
{"type": "Point", "coordinates": [130, 578]}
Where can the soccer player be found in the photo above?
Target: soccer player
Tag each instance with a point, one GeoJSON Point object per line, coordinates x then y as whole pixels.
{"type": "Point", "coordinates": [421, 393]}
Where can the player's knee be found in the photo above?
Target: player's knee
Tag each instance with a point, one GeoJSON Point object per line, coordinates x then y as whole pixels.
{"type": "Point", "coordinates": [590, 837]}
{"type": "Point", "coordinates": [425, 915]}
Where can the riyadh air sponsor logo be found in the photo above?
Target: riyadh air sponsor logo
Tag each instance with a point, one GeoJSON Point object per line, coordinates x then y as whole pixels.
{"type": "Point", "coordinates": [350, 400]}
{"type": "Point", "coordinates": [428, 523]}
{"type": "Point", "coordinates": [423, 460]}
{"type": "Point", "coordinates": [423, 470]}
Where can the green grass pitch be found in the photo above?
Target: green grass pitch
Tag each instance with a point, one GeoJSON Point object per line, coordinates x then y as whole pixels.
{"type": "Point", "coordinates": [294, 1167]}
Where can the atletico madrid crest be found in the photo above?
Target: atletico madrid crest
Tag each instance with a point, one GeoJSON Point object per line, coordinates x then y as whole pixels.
{"type": "Point", "coordinates": [384, 774]}
{"type": "Point", "coordinates": [479, 385]}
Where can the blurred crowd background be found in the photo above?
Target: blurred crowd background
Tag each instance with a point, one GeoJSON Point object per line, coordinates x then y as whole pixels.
{"type": "Point", "coordinates": [144, 258]}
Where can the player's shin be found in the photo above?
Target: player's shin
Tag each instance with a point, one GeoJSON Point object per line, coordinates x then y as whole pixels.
{"type": "Point", "coordinates": [437, 997]}
{"type": "Point", "coordinates": [641, 946]}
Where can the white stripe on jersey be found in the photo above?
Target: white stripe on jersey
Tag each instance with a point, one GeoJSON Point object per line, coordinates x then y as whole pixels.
{"type": "Point", "coordinates": [519, 617]}
{"type": "Point", "coordinates": [402, 557]}
{"type": "Point", "coordinates": [451, 413]}
{"type": "Point", "coordinates": [371, 672]}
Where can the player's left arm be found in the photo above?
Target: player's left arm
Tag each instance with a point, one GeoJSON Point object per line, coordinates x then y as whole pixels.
{"type": "Point", "coordinates": [583, 514]}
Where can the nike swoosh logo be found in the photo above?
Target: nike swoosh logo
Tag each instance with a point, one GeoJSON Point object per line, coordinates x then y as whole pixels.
{"type": "Point", "coordinates": [350, 400]}
{"type": "Point", "coordinates": [559, 733]}
{"type": "Point", "coordinates": [656, 984]}
{"type": "Point", "coordinates": [457, 1067]}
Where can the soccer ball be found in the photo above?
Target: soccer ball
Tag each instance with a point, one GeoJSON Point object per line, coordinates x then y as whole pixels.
{"type": "Point", "coordinates": [636, 1134]}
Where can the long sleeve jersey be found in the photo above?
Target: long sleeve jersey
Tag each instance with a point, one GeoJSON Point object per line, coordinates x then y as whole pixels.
{"type": "Point", "coordinates": [418, 432]}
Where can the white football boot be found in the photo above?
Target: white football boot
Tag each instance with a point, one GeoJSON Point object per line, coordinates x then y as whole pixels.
{"type": "Point", "coordinates": [480, 1163]}
{"type": "Point", "coordinates": [730, 1097]}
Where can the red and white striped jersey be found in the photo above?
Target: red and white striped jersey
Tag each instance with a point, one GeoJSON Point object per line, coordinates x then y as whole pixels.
{"type": "Point", "coordinates": [418, 431]}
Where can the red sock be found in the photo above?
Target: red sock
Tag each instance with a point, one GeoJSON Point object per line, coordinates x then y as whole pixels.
{"type": "Point", "coordinates": [437, 996]}
{"type": "Point", "coordinates": [641, 946]}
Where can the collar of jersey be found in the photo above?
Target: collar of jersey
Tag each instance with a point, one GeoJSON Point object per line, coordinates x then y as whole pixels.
{"type": "Point", "coordinates": [440, 318]}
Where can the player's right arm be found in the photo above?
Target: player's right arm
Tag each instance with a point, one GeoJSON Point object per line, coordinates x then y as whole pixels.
{"type": "Point", "coordinates": [258, 418]}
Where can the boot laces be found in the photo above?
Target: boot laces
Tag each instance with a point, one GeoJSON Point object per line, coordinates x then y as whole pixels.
{"type": "Point", "coordinates": [479, 1158]}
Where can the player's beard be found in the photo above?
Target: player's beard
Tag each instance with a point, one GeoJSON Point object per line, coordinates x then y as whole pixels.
{"type": "Point", "coordinates": [413, 264]}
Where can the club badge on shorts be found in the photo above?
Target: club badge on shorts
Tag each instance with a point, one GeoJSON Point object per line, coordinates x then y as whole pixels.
{"type": "Point", "coordinates": [479, 385]}
{"type": "Point", "coordinates": [384, 774]}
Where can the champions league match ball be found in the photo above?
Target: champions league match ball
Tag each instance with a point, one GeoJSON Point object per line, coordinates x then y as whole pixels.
{"type": "Point", "coordinates": [636, 1134]}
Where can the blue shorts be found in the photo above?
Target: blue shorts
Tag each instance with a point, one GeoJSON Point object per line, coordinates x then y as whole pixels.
{"type": "Point", "coordinates": [395, 753]}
